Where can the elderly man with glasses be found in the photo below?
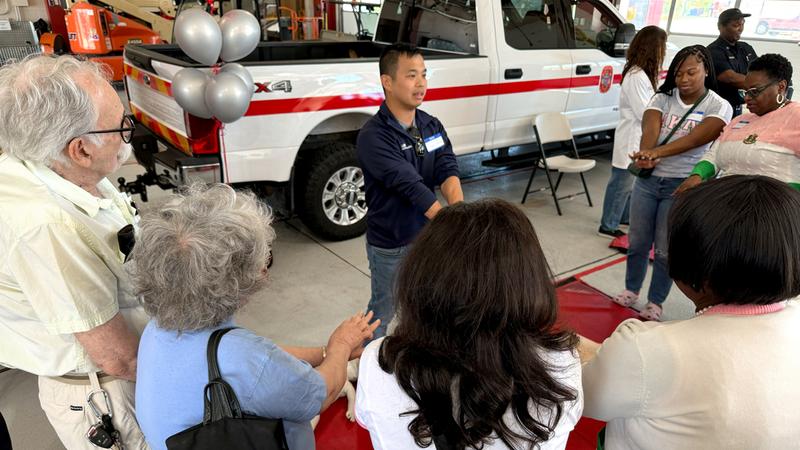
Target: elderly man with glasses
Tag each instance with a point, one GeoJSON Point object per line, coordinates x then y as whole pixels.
{"type": "Point", "coordinates": [67, 312]}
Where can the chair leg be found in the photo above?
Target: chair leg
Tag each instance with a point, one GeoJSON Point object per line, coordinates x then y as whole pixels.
{"type": "Point", "coordinates": [586, 190]}
{"type": "Point", "coordinates": [530, 180]}
{"type": "Point", "coordinates": [558, 182]}
{"type": "Point", "coordinates": [552, 189]}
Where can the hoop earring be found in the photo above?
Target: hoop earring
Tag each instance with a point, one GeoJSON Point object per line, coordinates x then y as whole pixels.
{"type": "Point", "coordinates": [780, 98]}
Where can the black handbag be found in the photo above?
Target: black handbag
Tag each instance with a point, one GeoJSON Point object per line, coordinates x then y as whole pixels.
{"type": "Point", "coordinates": [645, 173]}
{"type": "Point", "coordinates": [224, 425]}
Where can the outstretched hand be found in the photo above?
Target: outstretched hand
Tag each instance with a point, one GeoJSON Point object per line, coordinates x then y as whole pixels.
{"type": "Point", "coordinates": [353, 332]}
{"type": "Point", "coordinates": [687, 184]}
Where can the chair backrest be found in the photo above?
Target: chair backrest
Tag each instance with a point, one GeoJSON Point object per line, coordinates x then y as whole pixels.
{"type": "Point", "coordinates": [552, 127]}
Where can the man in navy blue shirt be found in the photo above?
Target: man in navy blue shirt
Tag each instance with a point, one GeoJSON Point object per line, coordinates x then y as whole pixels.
{"type": "Point", "coordinates": [731, 57]}
{"type": "Point", "coordinates": [405, 154]}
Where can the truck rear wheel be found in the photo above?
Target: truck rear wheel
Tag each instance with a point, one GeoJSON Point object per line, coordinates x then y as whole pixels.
{"type": "Point", "coordinates": [331, 193]}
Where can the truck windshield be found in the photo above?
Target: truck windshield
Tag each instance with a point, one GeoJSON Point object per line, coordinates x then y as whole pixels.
{"type": "Point", "coordinates": [440, 25]}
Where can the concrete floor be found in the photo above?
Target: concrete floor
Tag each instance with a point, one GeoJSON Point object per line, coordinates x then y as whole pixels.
{"type": "Point", "coordinates": [315, 284]}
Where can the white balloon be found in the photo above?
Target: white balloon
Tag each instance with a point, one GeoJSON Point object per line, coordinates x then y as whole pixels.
{"type": "Point", "coordinates": [241, 72]}
{"type": "Point", "coordinates": [199, 36]}
{"type": "Point", "coordinates": [241, 33]}
{"type": "Point", "coordinates": [228, 97]}
{"type": "Point", "coordinates": [189, 90]}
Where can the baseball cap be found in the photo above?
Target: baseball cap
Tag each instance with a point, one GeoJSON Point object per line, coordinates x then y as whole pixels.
{"type": "Point", "coordinates": [730, 15]}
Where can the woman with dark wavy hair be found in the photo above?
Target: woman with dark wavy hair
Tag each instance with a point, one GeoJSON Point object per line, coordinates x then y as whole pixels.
{"type": "Point", "coordinates": [475, 361]}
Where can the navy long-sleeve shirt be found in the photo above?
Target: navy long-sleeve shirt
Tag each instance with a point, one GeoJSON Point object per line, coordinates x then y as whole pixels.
{"type": "Point", "coordinates": [399, 184]}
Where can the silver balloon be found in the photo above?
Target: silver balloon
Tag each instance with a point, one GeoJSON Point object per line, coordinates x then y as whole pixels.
{"type": "Point", "coordinates": [240, 71]}
{"type": "Point", "coordinates": [199, 36]}
{"type": "Point", "coordinates": [240, 34]}
{"type": "Point", "coordinates": [228, 97]}
{"type": "Point", "coordinates": [189, 90]}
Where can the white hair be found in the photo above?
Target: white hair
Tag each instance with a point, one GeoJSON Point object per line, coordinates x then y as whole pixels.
{"type": "Point", "coordinates": [198, 258]}
{"type": "Point", "coordinates": [42, 108]}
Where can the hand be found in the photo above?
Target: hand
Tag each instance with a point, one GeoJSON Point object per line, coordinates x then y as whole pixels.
{"type": "Point", "coordinates": [645, 159]}
{"type": "Point", "coordinates": [687, 184]}
{"type": "Point", "coordinates": [647, 154]}
{"type": "Point", "coordinates": [351, 334]}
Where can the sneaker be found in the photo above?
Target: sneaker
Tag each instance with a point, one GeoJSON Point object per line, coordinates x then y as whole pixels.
{"type": "Point", "coordinates": [611, 234]}
{"type": "Point", "coordinates": [651, 311]}
{"type": "Point", "coordinates": [626, 298]}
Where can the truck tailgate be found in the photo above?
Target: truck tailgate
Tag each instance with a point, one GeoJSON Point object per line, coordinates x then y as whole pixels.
{"type": "Point", "coordinates": [151, 102]}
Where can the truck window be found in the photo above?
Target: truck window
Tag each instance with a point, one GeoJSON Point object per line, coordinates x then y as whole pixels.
{"type": "Point", "coordinates": [450, 26]}
{"type": "Point", "coordinates": [594, 26]}
{"type": "Point", "coordinates": [534, 24]}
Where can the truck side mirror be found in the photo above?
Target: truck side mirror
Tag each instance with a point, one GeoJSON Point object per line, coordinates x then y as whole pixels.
{"type": "Point", "coordinates": [623, 38]}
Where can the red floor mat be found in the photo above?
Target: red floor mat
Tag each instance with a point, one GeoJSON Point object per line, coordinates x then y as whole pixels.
{"type": "Point", "coordinates": [583, 308]}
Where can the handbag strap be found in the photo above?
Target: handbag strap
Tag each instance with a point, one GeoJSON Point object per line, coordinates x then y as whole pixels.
{"type": "Point", "coordinates": [219, 399]}
{"type": "Point", "coordinates": [680, 122]}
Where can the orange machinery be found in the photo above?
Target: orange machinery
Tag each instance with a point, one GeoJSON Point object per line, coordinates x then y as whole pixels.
{"type": "Point", "coordinates": [101, 35]}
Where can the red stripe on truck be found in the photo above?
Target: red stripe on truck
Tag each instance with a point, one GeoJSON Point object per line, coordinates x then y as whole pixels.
{"type": "Point", "coordinates": [323, 103]}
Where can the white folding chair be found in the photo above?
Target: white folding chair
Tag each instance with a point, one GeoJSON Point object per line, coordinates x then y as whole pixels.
{"type": "Point", "coordinates": [550, 128]}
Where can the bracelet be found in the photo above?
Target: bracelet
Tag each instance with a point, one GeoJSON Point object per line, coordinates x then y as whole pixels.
{"type": "Point", "coordinates": [324, 353]}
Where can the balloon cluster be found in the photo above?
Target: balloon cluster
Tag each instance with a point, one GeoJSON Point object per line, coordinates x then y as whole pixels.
{"type": "Point", "coordinates": [226, 93]}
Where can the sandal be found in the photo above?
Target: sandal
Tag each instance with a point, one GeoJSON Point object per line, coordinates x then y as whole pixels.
{"type": "Point", "coordinates": [651, 311]}
{"type": "Point", "coordinates": [626, 298]}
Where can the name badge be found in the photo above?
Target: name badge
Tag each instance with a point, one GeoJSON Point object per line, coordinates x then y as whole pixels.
{"type": "Point", "coordinates": [696, 116]}
{"type": "Point", "coordinates": [740, 124]}
{"type": "Point", "coordinates": [434, 142]}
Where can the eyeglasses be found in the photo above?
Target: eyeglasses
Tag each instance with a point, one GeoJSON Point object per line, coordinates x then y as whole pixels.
{"type": "Point", "coordinates": [125, 130]}
{"type": "Point", "coordinates": [756, 91]}
{"type": "Point", "coordinates": [420, 145]}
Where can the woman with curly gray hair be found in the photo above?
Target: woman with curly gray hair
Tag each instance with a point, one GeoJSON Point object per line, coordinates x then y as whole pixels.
{"type": "Point", "coordinates": [197, 260]}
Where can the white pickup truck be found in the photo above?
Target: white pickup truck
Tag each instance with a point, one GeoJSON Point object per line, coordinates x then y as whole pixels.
{"type": "Point", "coordinates": [492, 65]}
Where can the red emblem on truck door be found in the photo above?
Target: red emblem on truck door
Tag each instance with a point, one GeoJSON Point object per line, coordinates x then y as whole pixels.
{"type": "Point", "coordinates": [606, 78]}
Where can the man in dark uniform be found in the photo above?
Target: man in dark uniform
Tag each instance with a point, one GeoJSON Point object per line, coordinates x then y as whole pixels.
{"type": "Point", "coordinates": [731, 57]}
{"type": "Point", "coordinates": [404, 153]}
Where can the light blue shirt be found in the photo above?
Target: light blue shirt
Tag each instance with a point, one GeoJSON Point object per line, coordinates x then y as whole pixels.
{"type": "Point", "coordinates": [172, 372]}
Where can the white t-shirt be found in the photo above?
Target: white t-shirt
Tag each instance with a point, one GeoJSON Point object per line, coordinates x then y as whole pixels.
{"type": "Point", "coordinates": [380, 400]}
{"type": "Point", "coordinates": [672, 109]}
{"type": "Point", "coordinates": [635, 93]}
{"type": "Point", "coordinates": [713, 382]}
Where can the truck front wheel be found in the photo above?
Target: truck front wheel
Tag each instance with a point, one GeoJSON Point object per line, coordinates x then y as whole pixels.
{"type": "Point", "coordinates": [331, 193]}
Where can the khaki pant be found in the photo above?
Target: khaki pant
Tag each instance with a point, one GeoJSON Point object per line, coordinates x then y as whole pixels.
{"type": "Point", "coordinates": [66, 408]}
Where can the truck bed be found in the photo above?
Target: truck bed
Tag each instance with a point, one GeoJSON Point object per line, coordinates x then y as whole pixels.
{"type": "Point", "coordinates": [280, 53]}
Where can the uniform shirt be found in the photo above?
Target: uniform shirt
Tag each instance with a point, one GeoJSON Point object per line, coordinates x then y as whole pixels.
{"type": "Point", "coordinates": [399, 184]}
{"type": "Point", "coordinates": [173, 371]}
{"type": "Point", "coordinates": [757, 145]}
{"type": "Point", "coordinates": [380, 401]}
{"type": "Point", "coordinates": [672, 109]}
{"type": "Point", "coordinates": [61, 270]}
{"type": "Point", "coordinates": [736, 57]}
{"type": "Point", "coordinates": [635, 94]}
{"type": "Point", "coordinates": [718, 381]}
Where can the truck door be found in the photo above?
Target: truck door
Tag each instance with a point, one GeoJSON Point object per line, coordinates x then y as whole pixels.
{"type": "Point", "coordinates": [532, 73]}
{"type": "Point", "coordinates": [593, 103]}
{"type": "Point", "coordinates": [456, 70]}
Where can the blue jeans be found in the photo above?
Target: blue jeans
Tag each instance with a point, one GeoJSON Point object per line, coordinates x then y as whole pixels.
{"type": "Point", "coordinates": [383, 264]}
{"type": "Point", "coordinates": [651, 201]}
{"type": "Point", "coordinates": [616, 205]}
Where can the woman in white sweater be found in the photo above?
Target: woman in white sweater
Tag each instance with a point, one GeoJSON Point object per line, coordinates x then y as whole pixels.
{"type": "Point", "coordinates": [725, 379]}
{"type": "Point", "coordinates": [639, 81]}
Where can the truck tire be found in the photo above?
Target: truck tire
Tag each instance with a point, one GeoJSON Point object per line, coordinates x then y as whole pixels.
{"type": "Point", "coordinates": [330, 191]}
